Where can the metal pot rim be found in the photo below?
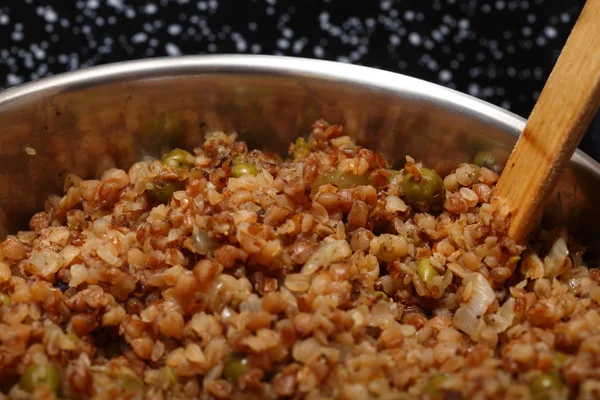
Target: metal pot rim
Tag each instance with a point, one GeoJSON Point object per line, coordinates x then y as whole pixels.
{"type": "Point", "coordinates": [279, 66]}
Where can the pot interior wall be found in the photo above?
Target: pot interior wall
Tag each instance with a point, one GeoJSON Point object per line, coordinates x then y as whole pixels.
{"type": "Point", "coordinates": [88, 126]}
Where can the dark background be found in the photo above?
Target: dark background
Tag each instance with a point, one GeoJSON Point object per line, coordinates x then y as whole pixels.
{"type": "Point", "coordinates": [499, 50]}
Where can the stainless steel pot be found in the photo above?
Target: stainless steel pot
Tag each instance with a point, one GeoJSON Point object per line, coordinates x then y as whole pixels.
{"type": "Point", "coordinates": [87, 121]}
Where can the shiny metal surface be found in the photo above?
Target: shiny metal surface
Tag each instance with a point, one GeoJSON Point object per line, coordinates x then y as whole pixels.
{"type": "Point", "coordinates": [90, 120]}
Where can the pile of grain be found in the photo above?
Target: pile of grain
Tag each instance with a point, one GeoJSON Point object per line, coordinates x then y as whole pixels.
{"type": "Point", "coordinates": [229, 273]}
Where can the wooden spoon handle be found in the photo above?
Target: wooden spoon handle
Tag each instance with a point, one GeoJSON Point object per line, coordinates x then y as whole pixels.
{"type": "Point", "coordinates": [555, 127]}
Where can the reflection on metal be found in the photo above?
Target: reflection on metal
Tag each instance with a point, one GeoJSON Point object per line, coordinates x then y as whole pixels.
{"type": "Point", "coordinates": [90, 120]}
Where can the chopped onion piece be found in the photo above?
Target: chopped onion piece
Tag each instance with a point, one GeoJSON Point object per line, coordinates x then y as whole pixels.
{"type": "Point", "coordinates": [467, 316]}
{"type": "Point", "coordinates": [69, 253]}
{"type": "Point", "coordinates": [556, 258]}
{"type": "Point", "coordinates": [503, 318]}
{"type": "Point", "coordinates": [394, 203]}
{"type": "Point", "coordinates": [532, 266]}
{"type": "Point", "coordinates": [329, 253]}
{"type": "Point", "coordinates": [46, 262]}
{"type": "Point", "coordinates": [204, 244]}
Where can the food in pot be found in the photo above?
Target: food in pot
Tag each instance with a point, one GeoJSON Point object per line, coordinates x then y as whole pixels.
{"type": "Point", "coordinates": [224, 272]}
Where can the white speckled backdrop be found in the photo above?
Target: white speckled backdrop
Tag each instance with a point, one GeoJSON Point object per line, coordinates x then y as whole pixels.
{"type": "Point", "coordinates": [499, 50]}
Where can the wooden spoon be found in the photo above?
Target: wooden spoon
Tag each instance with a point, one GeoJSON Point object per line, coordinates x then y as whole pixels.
{"type": "Point", "coordinates": [555, 127]}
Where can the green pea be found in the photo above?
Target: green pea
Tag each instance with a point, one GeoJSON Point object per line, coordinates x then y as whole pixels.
{"type": "Point", "coordinates": [6, 301]}
{"type": "Point", "coordinates": [237, 159]}
{"type": "Point", "coordinates": [178, 158]}
{"type": "Point", "coordinates": [543, 386]}
{"type": "Point", "coordinates": [559, 359]}
{"type": "Point", "coordinates": [169, 377]}
{"type": "Point", "coordinates": [162, 191]}
{"type": "Point", "coordinates": [434, 387]}
{"type": "Point", "coordinates": [342, 180]}
{"type": "Point", "coordinates": [425, 270]}
{"type": "Point", "coordinates": [234, 368]}
{"type": "Point", "coordinates": [42, 374]}
{"type": "Point", "coordinates": [426, 193]}
{"type": "Point", "coordinates": [491, 159]}
{"type": "Point", "coordinates": [244, 169]}
{"type": "Point", "coordinates": [301, 149]}
{"type": "Point", "coordinates": [129, 380]}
